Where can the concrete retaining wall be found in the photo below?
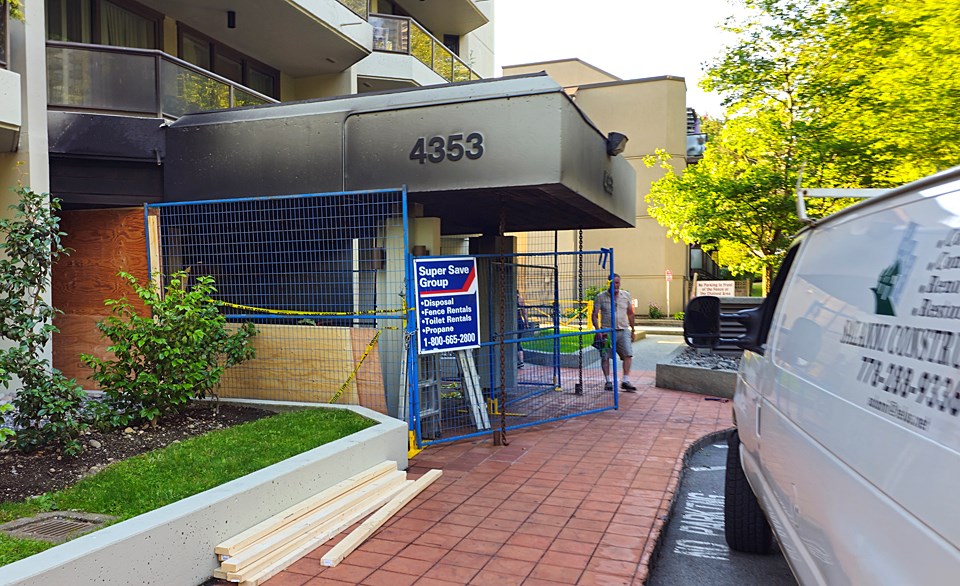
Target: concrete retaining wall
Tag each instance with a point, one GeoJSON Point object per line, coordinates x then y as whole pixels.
{"type": "Point", "coordinates": [174, 544]}
{"type": "Point", "coordinates": [693, 379]}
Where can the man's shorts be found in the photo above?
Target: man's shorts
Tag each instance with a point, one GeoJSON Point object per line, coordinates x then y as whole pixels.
{"type": "Point", "coordinates": [624, 346]}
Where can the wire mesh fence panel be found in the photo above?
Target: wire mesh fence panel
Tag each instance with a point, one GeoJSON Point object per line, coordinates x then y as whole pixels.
{"type": "Point", "coordinates": [323, 278]}
{"type": "Point", "coordinates": [536, 363]}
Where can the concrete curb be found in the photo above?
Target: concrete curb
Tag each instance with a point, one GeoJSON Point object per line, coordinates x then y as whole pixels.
{"type": "Point", "coordinates": [174, 544]}
{"type": "Point", "coordinates": [693, 379]}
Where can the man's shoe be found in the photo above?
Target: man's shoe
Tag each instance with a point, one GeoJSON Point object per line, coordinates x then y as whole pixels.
{"type": "Point", "coordinates": [628, 386]}
{"type": "Point", "coordinates": [608, 386]}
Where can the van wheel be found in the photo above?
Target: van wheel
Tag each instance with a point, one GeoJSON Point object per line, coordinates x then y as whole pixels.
{"type": "Point", "coordinates": [745, 525]}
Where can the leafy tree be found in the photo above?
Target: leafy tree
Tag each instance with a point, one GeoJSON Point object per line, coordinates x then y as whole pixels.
{"type": "Point", "coordinates": [857, 93]}
{"type": "Point", "coordinates": [48, 405]}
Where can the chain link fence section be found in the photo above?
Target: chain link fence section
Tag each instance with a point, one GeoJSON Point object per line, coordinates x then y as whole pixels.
{"type": "Point", "coordinates": [322, 276]}
{"type": "Point", "coordinates": [543, 347]}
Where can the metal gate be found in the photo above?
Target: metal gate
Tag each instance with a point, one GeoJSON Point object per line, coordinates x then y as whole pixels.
{"type": "Point", "coordinates": [323, 277]}
{"type": "Point", "coordinates": [536, 362]}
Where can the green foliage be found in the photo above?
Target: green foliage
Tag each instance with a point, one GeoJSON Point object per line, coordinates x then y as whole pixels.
{"type": "Point", "coordinates": [47, 404]}
{"type": "Point", "coordinates": [5, 432]}
{"type": "Point", "coordinates": [856, 93]}
{"type": "Point", "coordinates": [161, 477]}
{"type": "Point", "coordinates": [678, 316]}
{"type": "Point", "coordinates": [175, 354]}
{"type": "Point", "coordinates": [16, 9]}
{"type": "Point", "coordinates": [654, 311]}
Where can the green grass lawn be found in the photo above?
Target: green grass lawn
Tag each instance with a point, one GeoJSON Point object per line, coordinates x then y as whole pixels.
{"type": "Point", "coordinates": [149, 481]}
{"type": "Point", "coordinates": [569, 344]}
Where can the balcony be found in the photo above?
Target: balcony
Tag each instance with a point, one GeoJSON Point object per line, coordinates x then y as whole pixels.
{"type": "Point", "coordinates": [402, 35]}
{"type": "Point", "coordinates": [137, 82]}
{"type": "Point", "coordinates": [9, 94]}
{"type": "Point", "coordinates": [455, 17]}
{"type": "Point", "coordinates": [301, 38]}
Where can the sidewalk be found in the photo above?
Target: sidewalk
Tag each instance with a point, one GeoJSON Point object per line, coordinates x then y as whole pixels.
{"type": "Point", "coordinates": [580, 501]}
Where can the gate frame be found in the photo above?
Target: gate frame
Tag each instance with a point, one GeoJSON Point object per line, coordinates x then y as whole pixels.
{"type": "Point", "coordinates": [605, 255]}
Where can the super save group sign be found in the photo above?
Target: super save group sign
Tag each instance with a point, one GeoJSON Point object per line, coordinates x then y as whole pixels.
{"type": "Point", "coordinates": [448, 316]}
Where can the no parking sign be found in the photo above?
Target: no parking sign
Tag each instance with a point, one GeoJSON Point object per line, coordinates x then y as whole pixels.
{"type": "Point", "coordinates": [448, 316]}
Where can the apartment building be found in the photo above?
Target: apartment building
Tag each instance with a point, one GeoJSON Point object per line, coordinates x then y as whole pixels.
{"type": "Point", "coordinates": [652, 113]}
{"type": "Point", "coordinates": [87, 88]}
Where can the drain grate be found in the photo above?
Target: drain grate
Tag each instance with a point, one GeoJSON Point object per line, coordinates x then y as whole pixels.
{"type": "Point", "coordinates": [55, 527]}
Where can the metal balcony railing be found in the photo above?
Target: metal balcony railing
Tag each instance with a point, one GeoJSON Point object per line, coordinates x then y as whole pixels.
{"type": "Point", "coordinates": [137, 81]}
{"type": "Point", "coordinates": [400, 34]}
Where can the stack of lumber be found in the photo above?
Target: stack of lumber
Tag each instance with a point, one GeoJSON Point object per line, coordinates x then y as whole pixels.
{"type": "Point", "coordinates": [265, 549]}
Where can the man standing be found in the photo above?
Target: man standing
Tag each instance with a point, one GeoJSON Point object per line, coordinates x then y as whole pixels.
{"type": "Point", "coordinates": [624, 310]}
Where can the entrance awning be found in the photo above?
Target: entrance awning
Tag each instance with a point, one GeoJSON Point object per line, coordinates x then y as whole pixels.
{"type": "Point", "coordinates": [465, 151]}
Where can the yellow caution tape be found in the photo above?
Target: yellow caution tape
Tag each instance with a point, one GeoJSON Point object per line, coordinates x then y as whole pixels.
{"type": "Point", "coordinates": [296, 312]}
{"type": "Point", "coordinates": [366, 352]}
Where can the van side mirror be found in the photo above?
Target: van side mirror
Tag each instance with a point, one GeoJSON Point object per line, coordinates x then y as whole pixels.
{"type": "Point", "coordinates": [701, 325]}
{"type": "Point", "coordinates": [701, 322]}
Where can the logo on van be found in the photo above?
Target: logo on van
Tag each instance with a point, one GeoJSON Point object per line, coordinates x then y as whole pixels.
{"type": "Point", "coordinates": [892, 279]}
{"type": "Point", "coordinates": [884, 289]}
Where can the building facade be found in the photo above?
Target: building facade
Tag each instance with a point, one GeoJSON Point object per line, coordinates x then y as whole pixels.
{"type": "Point", "coordinates": [87, 88]}
{"type": "Point", "coordinates": [652, 113]}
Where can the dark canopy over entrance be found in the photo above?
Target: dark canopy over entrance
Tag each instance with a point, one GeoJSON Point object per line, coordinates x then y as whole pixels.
{"type": "Point", "coordinates": [465, 151]}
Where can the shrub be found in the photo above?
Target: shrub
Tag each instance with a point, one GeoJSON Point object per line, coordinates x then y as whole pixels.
{"type": "Point", "coordinates": [654, 311]}
{"type": "Point", "coordinates": [678, 316]}
{"type": "Point", "coordinates": [164, 360]}
{"type": "Point", "coordinates": [47, 406]}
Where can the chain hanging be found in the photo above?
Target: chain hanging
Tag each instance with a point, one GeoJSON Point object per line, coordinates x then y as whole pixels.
{"type": "Point", "coordinates": [578, 388]}
{"type": "Point", "coordinates": [500, 437]}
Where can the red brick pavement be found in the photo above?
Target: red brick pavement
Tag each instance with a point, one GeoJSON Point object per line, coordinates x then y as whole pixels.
{"type": "Point", "coordinates": [578, 501]}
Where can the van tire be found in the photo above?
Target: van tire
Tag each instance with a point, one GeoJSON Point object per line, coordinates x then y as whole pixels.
{"type": "Point", "coordinates": [745, 526]}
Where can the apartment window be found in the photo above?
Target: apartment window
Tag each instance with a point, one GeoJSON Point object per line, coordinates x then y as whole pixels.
{"type": "Point", "coordinates": [214, 56]}
{"type": "Point", "coordinates": [452, 42]}
{"type": "Point", "coordinates": [4, 15]}
{"type": "Point", "coordinates": [104, 22]}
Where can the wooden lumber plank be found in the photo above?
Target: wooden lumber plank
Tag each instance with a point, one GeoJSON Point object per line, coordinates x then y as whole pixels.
{"type": "Point", "coordinates": [291, 514]}
{"type": "Point", "coordinates": [333, 511]}
{"type": "Point", "coordinates": [293, 551]}
{"type": "Point", "coordinates": [361, 533]}
{"type": "Point", "coordinates": [219, 574]}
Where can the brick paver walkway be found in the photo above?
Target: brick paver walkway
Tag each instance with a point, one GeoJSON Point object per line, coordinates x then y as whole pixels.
{"type": "Point", "coordinates": [580, 501]}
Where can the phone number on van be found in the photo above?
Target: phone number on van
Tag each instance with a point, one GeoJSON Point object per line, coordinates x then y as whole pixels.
{"type": "Point", "coordinates": [933, 390]}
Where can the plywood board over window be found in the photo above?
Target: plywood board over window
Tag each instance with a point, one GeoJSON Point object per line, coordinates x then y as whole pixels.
{"type": "Point", "coordinates": [103, 243]}
{"type": "Point", "coordinates": [310, 363]}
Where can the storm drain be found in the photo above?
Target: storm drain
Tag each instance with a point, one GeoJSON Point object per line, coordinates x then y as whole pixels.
{"type": "Point", "coordinates": [56, 526]}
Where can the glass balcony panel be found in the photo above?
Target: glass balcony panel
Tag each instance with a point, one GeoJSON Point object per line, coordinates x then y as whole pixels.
{"type": "Point", "coordinates": [184, 91]}
{"type": "Point", "coordinates": [460, 71]}
{"type": "Point", "coordinates": [101, 80]}
{"type": "Point", "coordinates": [421, 45]}
{"type": "Point", "coordinates": [473, 75]}
{"type": "Point", "coordinates": [443, 61]}
{"type": "Point", "coordinates": [242, 98]}
{"type": "Point", "coordinates": [359, 7]}
{"type": "Point", "coordinates": [390, 35]}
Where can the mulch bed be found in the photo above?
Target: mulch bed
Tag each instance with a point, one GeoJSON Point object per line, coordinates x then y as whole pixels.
{"type": "Point", "coordinates": [23, 475]}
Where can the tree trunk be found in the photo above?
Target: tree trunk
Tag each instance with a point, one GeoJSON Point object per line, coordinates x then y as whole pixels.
{"type": "Point", "coordinates": [767, 279]}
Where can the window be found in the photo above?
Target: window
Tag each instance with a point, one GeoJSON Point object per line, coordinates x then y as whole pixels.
{"type": "Point", "coordinates": [104, 22]}
{"type": "Point", "coordinates": [202, 51]}
{"type": "Point", "coordinates": [4, 15]}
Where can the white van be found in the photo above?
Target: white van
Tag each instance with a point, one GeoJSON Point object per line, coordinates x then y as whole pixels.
{"type": "Point", "coordinates": [847, 407]}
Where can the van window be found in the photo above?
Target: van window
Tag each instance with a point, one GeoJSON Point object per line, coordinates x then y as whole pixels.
{"type": "Point", "coordinates": [769, 306]}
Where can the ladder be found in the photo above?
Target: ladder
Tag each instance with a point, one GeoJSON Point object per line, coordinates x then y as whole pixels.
{"type": "Point", "coordinates": [471, 380]}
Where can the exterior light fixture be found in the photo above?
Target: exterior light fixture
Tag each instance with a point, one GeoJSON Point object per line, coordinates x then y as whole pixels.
{"type": "Point", "coordinates": [616, 142]}
{"type": "Point", "coordinates": [231, 19]}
